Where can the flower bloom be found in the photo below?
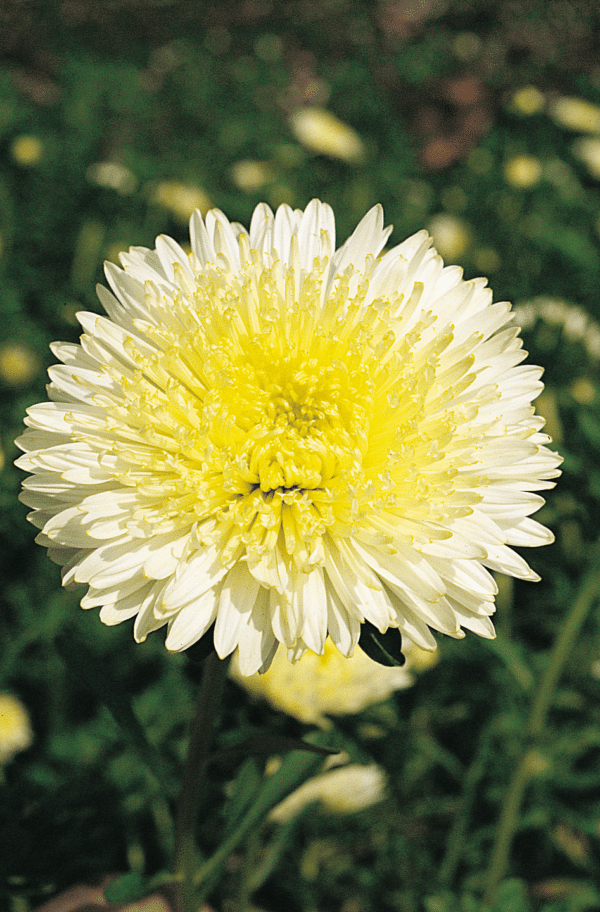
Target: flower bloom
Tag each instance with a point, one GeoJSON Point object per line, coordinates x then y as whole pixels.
{"type": "Point", "coordinates": [331, 684]}
{"type": "Point", "coordinates": [285, 440]}
{"type": "Point", "coordinates": [343, 789]}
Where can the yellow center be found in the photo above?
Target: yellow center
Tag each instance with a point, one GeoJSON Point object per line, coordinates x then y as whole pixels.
{"type": "Point", "coordinates": [290, 424]}
{"type": "Point", "coordinates": [274, 408]}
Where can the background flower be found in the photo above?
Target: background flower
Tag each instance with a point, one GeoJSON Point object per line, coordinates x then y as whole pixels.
{"type": "Point", "coordinates": [319, 685]}
{"type": "Point", "coordinates": [15, 728]}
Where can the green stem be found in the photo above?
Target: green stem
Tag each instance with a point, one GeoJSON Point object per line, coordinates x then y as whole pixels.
{"type": "Point", "coordinates": [194, 776]}
{"type": "Point", "coordinates": [529, 759]}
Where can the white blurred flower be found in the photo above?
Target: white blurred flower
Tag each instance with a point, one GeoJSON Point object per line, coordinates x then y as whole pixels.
{"type": "Point", "coordinates": [529, 100]}
{"type": "Point", "coordinates": [26, 150]}
{"type": "Point", "coordinates": [451, 235]}
{"type": "Point", "coordinates": [523, 171]}
{"type": "Point", "coordinates": [341, 790]}
{"type": "Point", "coordinates": [250, 175]}
{"type": "Point", "coordinates": [576, 114]}
{"type": "Point", "coordinates": [576, 323]}
{"type": "Point", "coordinates": [321, 131]}
{"type": "Point", "coordinates": [180, 199]}
{"type": "Point", "coordinates": [112, 176]}
{"type": "Point", "coordinates": [587, 150]}
{"type": "Point", "coordinates": [19, 364]}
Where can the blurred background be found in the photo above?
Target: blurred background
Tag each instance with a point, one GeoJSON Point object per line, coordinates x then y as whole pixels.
{"type": "Point", "coordinates": [478, 121]}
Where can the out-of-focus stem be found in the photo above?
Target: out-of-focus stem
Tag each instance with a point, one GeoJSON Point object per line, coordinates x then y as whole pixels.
{"type": "Point", "coordinates": [528, 761]}
{"type": "Point", "coordinates": [194, 777]}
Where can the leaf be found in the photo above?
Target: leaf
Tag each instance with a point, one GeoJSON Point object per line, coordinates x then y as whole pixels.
{"type": "Point", "coordinates": [512, 895]}
{"type": "Point", "coordinates": [268, 744]}
{"type": "Point", "coordinates": [383, 648]}
{"type": "Point", "coordinates": [127, 888]}
{"type": "Point", "coordinates": [296, 768]}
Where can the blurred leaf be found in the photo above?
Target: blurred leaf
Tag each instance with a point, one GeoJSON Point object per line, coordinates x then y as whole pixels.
{"type": "Point", "coordinates": [512, 897]}
{"type": "Point", "coordinates": [268, 743]}
{"type": "Point", "coordinates": [127, 889]}
{"type": "Point", "coordinates": [296, 768]}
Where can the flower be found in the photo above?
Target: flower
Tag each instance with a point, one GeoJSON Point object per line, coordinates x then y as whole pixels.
{"type": "Point", "coordinates": [285, 440]}
{"type": "Point", "coordinates": [576, 114]}
{"type": "Point", "coordinates": [180, 199]}
{"type": "Point", "coordinates": [451, 235]}
{"type": "Point", "coordinates": [330, 683]}
{"type": "Point", "coordinates": [27, 150]}
{"type": "Point", "coordinates": [523, 171]}
{"type": "Point", "coordinates": [321, 131]}
{"type": "Point", "coordinates": [15, 728]}
{"type": "Point", "coordinates": [18, 364]}
{"type": "Point", "coordinates": [340, 790]}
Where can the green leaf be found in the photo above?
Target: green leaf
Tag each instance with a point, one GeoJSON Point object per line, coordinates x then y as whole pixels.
{"type": "Point", "coordinates": [383, 648]}
{"type": "Point", "coordinates": [127, 888]}
{"type": "Point", "coordinates": [296, 768]}
{"type": "Point", "coordinates": [512, 897]}
{"type": "Point", "coordinates": [268, 744]}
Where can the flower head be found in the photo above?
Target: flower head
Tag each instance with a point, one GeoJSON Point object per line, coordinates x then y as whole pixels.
{"type": "Point", "coordinates": [331, 684]}
{"type": "Point", "coordinates": [285, 440]}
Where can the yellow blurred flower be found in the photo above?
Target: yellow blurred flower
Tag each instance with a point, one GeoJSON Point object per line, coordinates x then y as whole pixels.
{"type": "Point", "coordinates": [18, 364]}
{"type": "Point", "coordinates": [486, 260]}
{"type": "Point", "coordinates": [181, 200]}
{"type": "Point", "coordinates": [528, 100]}
{"type": "Point", "coordinates": [583, 391]}
{"type": "Point", "coordinates": [576, 114]}
{"type": "Point", "coordinates": [587, 150]}
{"type": "Point", "coordinates": [342, 790]}
{"type": "Point", "coordinates": [27, 150]}
{"type": "Point", "coordinates": [451, 235]}
{"type": "Point", "coordinates": [317, 685]}
{"type": "Point", "coordinates": [523, 171]}
{"type": "Point", "coordinates": [321, 131]}
{"type": "Point", "coordinates": [15, 729]}
{"type": "Point", "coordinates": [250, 175]}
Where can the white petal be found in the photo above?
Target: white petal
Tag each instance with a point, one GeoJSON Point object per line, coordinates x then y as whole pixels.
{"type": "Point", "coordinates": [201, 243]}
{"type": "Point", "coordinates": [238, 595]}
{"type": "Point", "coordinates": [318, 217]}
{"type": "Point", "coordinates": [257, 644]}
{"type": "Point", "coordinates": [201, 572]}
{"type": "Point", "coordinates": [368, 237]}
{"type": "Point", "coordinates": [192, 622]}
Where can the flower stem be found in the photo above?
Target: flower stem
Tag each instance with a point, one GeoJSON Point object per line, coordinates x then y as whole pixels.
{"type": "Point", "coordinates": [529, 758]}
{"type": "Point", "coordinates": [194, 777]}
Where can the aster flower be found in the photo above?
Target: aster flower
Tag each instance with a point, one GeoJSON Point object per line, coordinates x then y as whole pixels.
{"type": "Point", "coordinates": [286, 440]}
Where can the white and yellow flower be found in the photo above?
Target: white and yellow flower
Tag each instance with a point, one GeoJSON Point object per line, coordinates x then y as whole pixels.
{"type": "Point", "coordinates": [285, 439]}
